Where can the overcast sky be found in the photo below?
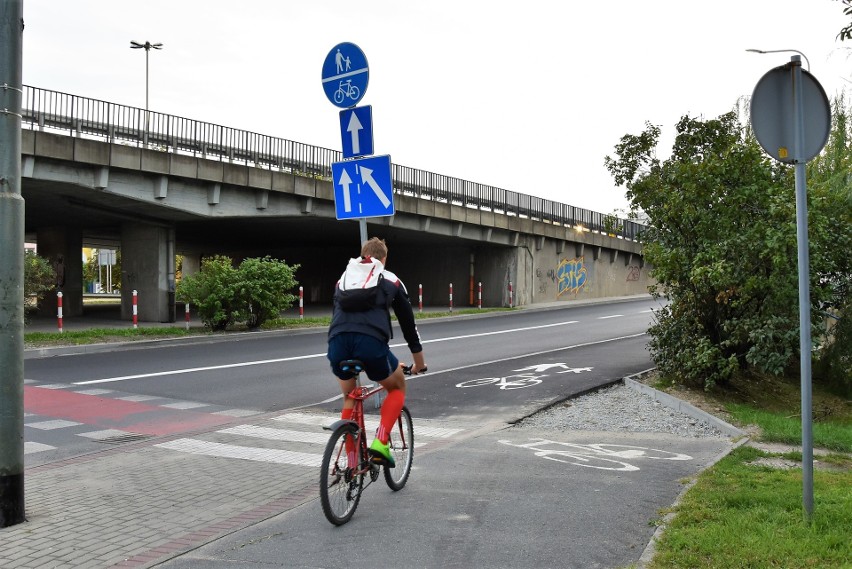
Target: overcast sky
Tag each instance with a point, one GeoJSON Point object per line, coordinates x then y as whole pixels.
{"type": "Point", "coordinates": [527, 96]}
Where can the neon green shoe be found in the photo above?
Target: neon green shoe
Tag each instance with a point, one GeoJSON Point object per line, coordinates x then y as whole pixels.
{"type": "Point", "coordinates": [380, 453]}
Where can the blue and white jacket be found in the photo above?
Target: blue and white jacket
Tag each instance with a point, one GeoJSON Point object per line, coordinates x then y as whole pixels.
{"type": "Point", "coordinates": [364, 272]}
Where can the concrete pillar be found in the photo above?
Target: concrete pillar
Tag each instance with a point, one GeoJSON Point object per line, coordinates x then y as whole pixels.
{"type": "Point", "coordinates": [63, 247]}
{"type": "Point", "coordinates": [190, 265]}
{"type": "Point", "coordinates": [148, 266]}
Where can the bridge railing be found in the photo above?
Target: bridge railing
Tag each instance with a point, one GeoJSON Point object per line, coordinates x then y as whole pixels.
{"type": "Point", "coordinates": [120, 124]}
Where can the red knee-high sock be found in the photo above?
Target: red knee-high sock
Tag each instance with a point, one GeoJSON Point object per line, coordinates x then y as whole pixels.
{"type": "Point", "coordinates": [391, 409]}
{"type": "Point", "coordinates": [346, 414]}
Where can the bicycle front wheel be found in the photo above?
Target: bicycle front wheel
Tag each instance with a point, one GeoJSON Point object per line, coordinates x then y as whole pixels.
{"type": "Point", "coordinates": [340, 488]}
{"type": "Point", "coordinates": [401, 444]}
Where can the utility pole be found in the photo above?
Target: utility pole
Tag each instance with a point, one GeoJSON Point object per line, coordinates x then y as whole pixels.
{"type": "Point", "coordinates": [11, 267]}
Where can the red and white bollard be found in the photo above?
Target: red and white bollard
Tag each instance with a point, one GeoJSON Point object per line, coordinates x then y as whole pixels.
{"type": "Point", "coordinates": [135, 317]}
{"type": "Point", "coordinates": [420, 297]}
{"type": "Point", "coordinates": [186, 310]}
{"type": "Point", "coordinates": [59, 310]}
{"type": "Point", "coordinates": [301, 303]}
{"type": "Point", "coordinates": [451, 297]}
{"type": "Point", "coordinates": [479, 297]}
{"type": "Point", "coordinates": [510, 294]}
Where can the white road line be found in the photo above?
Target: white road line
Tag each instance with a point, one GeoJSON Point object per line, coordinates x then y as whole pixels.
{"type": "Point", "coordinates": [305, 357]}
{"type": "Point", "coordinates": [324, 421]}
{"type": "Point", "coordinates": [277, 434]}
{"type": "Point", "coordinates": [105, 434]}
{"type": "Point", "coordinates": [30, 447]}
{"type": "Point", "coordinates": [275, 456]}
{"type": "Point", "coordinates": [185, 405]}
{"type": "Point", "coordinates": [51, 425]}
{"type": "Point", "coordinates": [610, 316]}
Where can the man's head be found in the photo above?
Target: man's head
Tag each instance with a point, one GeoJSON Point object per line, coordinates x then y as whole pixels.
{"type": "Point", "coordinates": [375, 248]}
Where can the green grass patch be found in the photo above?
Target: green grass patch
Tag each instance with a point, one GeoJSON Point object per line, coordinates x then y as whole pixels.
{"type": "Point", "coordinates": [830, 433]}
{"type": "Point", "coordinates": [746, 515]}
{"type": "Point", "coordinates": [105, 335]}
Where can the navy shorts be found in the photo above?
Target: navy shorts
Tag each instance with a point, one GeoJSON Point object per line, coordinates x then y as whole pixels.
{"type": "Point", "coordinates": [379, 362]}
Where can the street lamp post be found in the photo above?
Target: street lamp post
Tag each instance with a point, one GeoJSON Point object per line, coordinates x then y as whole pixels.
{"type": "Point", "coordinates": [147, 46]}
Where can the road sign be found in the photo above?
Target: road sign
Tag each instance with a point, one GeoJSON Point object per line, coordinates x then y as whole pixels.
{"type": "Point", "coordinates": [356, 131]}
{"type": "Point", "coordinates": [773, 115]}
{"type": "Point", "coordinates": [345, 75]}
{"type": "Point", "coordinates": [363, 187]}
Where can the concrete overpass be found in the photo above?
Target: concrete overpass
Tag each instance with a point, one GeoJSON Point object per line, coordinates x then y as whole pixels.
{"type": "Point", "coordinates": [98, 174]}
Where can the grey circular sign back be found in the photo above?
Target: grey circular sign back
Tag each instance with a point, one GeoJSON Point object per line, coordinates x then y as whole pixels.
{"type": "Point", "coordinates": [772, 115]}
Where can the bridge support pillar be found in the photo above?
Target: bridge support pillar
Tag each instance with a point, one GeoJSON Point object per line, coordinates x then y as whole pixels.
{"type": "Point", "coordinates": [148, 267]}
{"type": "Point", "coordinates": [63, 247]}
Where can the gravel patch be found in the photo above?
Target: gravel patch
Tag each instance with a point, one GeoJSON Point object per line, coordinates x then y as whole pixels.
{"type": "Point", "coordinates": [619, 408]}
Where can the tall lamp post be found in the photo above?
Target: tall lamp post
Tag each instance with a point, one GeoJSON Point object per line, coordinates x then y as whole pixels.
{"type": "Point", "coordinates": [147, 46]}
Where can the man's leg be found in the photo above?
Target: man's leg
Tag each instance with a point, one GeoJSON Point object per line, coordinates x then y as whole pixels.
{"type": "Point", "coordinates": [395, 386]}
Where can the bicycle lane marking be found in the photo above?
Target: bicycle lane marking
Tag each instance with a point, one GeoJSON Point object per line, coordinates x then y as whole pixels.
{"type": "Point", "coordinates": [592, 455]}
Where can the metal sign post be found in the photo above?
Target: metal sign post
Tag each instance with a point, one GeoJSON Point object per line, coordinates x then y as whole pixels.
{"type": "Point", "coordinates": [781, 101]}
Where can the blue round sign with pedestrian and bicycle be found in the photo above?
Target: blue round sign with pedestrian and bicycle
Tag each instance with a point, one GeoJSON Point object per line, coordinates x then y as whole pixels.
{"type": "Point", "coordinates": [345, 75]}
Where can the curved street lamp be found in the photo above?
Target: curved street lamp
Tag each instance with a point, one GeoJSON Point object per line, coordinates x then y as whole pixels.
{"type": "Point", "coordinates": [783, 51]}
{"type": "Point", "coordinates": [147, 46]}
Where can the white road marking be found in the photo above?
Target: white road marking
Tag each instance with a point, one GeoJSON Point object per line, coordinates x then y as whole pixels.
{"type": "Point", "coordinates": [105, 434]}
{"type": "Point", "coordinates": [51, 425]}
{"type": "Point", "coordinates": [610, 316]}
{"type": "Point", "coordinates": [30, 447]}
{"type": "Point", "coordinates": [275, 456]}
{"type": "Point", "coordinates": [305, 357]}
{"type": "Point", "coordinates": [184, 405]}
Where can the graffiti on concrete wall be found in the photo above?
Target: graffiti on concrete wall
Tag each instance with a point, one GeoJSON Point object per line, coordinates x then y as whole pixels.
{"type": "Point", "coordinates": [571, 276]}
{"type": "Point", "coordinates": [633, 273]}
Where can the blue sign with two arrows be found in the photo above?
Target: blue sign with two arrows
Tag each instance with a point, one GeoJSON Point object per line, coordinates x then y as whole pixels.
{"type": "Point", "coordinates": [363, 187]}
{"type": "Point", "coordinates": [345, 75]}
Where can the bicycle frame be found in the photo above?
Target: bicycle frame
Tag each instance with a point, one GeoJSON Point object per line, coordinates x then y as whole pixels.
{"type": "Point", "coordinates": [360, 393]}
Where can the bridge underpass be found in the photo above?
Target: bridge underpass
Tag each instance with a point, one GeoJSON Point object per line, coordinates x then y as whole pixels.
{"type": "Point", "coordinates": [155, 202]}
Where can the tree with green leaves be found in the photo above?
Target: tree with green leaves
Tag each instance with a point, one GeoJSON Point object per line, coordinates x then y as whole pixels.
{"type": "Point", "coordinates": [722, 246]}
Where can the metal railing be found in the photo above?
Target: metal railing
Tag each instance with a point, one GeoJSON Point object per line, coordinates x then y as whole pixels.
{"type": "Point", "coordinates": [91, 118]}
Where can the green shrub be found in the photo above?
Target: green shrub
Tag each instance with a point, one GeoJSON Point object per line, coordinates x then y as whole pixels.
{"type": "Point", "coordinates": [263, 290]}
{"type": "Point", "coordinates": [254, 292]}
{"type": "Point", "coordinates": [39, 278]}
{"type": "Point", "coordinates": [211, 290]}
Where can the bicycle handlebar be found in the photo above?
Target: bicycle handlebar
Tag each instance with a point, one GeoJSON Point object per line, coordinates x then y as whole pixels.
{"type": "Point", "coordinates": [407, 370]}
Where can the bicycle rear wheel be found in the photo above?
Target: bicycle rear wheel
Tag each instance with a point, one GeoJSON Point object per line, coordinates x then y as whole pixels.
{"type": "Point", "coordinates": [340, 489]}
{"type": "Point", "coordinates": [401, 443]}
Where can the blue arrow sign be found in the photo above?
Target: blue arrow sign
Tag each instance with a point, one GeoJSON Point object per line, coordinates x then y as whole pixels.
{"type": "Point", "coordinates": [345, 75]}
{"type": "Point", "coordinates": [363, 187]}
{"type": "Point", "coordinates": [356, 131]}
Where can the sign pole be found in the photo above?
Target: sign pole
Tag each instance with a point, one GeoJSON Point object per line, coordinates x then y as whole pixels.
{"type": "Point", "coordinates": [362, 225]}
{"type": "Point", "coordinates": [804, 290]}
{"type": "Point", "coordinates": [11, 267]}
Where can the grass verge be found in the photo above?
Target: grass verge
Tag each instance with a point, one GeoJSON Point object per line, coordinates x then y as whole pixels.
{"type": "Point", "coordinates": [110, 335]}
{"type": "Point", "coordinates": [741, 513]}
{"type": "Point", "coordinates": [747, 511]}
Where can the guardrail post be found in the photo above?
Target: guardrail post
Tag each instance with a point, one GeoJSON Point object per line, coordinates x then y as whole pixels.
{"type": "Point", "coordinates": [479, 297]}
{"type": "Point", "coordinates": [420, 297]}
{"type": "Point", "coordinates": [451, 297]}
{"type": "Point", "coordinates": [186, 311]}
{"type": "Point", "coordinates": [301, 303]}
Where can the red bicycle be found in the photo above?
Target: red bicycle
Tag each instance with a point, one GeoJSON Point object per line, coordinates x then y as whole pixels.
{"type": "Point", "coordinates": [347, 468]}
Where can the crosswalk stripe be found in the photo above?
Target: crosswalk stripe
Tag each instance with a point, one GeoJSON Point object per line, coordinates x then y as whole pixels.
{"type": "Point", "coordinates": [277, 434]}
{"type": "Point", "coordinates": [31, 447]}
{"type": "Point", "coordinates": [55, 424]}
{"type": "Point", "coordinates": [369, 424]}
{"type": "Point", "coordinates": [277, 456]}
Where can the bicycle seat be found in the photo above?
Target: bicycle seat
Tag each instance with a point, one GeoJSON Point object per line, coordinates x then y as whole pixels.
{"type": "Point", "coordinates": [352, 367]}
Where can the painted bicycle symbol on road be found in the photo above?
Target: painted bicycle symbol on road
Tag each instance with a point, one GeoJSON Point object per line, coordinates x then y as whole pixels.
{"type": "Point", "coordinates": [522, 380]}
{"type": "Point", "coordinates": [602, 456]}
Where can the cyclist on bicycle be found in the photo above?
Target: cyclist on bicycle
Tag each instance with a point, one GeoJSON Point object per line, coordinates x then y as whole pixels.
{"type": "Point", "coordinates": [361, 329]}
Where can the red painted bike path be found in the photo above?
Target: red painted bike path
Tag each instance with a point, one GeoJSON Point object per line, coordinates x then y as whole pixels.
{"type": "Point", "coordinates": [104, 412]}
